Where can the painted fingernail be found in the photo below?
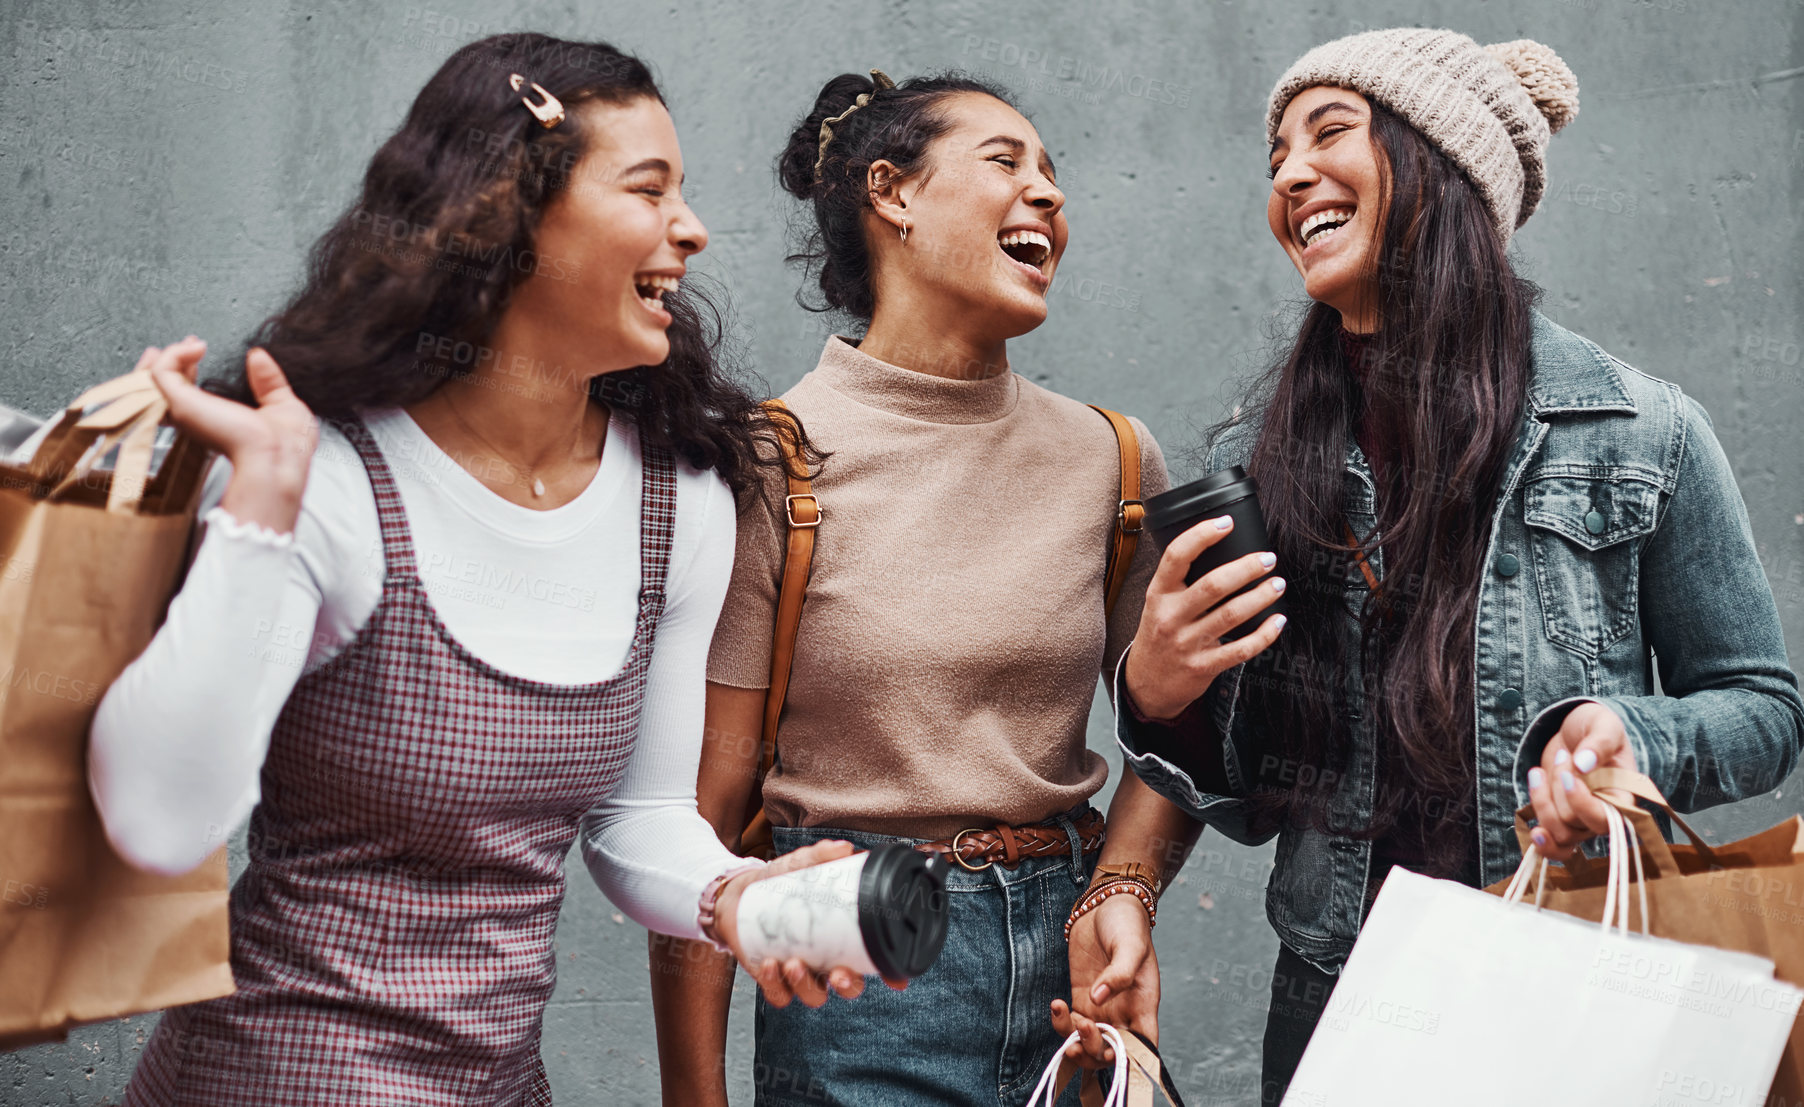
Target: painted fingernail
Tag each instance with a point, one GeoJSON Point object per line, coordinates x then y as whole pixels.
{"type": "Point", "coordinates": [1282, 619]}
{"type": "Point", "coordinates": [1568, 781]}
{"type": "Point", "coordinates": [1586, 760]}
{"type": "Point", "coordinates": [1224, 522]}
{"type": "Point", "coordinates": [1561, 757]}
{"type": "Point", "coordinates": [1539, 838]}
{"type": "Point", "coordinates": [1268, 559]}
{"type": "Point", "coordinates": [1277, 584]}
{"type": "Point", "coordinates": [1536, 778]}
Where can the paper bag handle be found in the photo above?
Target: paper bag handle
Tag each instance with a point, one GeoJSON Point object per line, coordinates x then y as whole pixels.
{"type": "Point", "coordinates": [1641, 787]}
{"type": "Point", "coordinates": [1146, 1072]}
{"type": "Point", "coordinates": [1646, 831]}
{"type": "Point", "coordinates": [1060, 1071]}
{"type": "Point", "coordinates": [1623, 847]}
{"type": "Point", "coordinates": [1138, 1078]}
{"type": "Point", "coordinates": [63, 446]}
{"type": "Point", "coordinates": [131, 409]}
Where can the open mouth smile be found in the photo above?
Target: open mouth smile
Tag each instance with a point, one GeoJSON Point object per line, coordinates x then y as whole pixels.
{"type": "Point", "coordinates": [1031, 250]}
{"type": "Point", "coordinates": [1321, 226]}
{"type": "Point", "coordinates": [651, 288]}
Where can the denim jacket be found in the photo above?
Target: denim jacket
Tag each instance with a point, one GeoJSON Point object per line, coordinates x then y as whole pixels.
{"type": "Point", "coordinates": [1619, 531]}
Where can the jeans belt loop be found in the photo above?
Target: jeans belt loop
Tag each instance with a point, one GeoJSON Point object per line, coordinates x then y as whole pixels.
{"type": "Point", "coordinates": [1077, 849]}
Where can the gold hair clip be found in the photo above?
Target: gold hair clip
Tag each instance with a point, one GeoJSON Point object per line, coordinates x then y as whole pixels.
{"type": "Point", "coordinates": [549, 113]}
{"type": "Point", "coordinates": [878, 78]}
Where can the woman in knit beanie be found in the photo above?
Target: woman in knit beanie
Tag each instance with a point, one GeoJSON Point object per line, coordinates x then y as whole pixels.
{"type": "Point", "coordinates": [1493, 531]}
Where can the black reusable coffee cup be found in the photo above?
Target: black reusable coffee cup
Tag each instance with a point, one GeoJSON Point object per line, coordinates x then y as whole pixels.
{"type": "Point", "coordinates": [1228, 492]}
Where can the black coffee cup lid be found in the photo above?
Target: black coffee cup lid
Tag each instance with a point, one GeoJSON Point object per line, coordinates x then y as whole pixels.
{"type": "Point", "coordinates": [1190, 502]}
{"type": "Point", "coordinates": [902, 910]}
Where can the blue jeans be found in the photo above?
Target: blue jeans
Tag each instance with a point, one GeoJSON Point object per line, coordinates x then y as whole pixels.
{"type": "Point", "coordinates": [974, 1029]}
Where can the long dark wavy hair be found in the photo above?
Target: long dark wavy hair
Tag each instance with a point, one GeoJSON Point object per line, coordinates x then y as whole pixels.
{"type": "Point", "coordinates": [1444, 381]}
{"type": "Point", "coordinates": [405, 289]}
{"type": "Point", "coordinates": [896, 125]}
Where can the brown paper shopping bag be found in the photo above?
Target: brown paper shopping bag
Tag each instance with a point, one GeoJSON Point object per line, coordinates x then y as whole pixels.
{"type": "Point", "coordinates": [88, 560]}
{"type": "Point", "coordinates": [1746, 896]}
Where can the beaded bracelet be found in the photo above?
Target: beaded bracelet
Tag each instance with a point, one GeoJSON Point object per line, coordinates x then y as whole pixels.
{"type": "Point", "coordinates": [1151, 889]}
{"type": "Point", "coordinates": [710, 898]}
{"type": "Point", "coordinates": [1115, 886]}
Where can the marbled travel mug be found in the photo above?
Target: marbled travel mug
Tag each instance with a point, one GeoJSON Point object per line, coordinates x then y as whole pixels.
{"type": "Point", "coordinates": [882, 912]}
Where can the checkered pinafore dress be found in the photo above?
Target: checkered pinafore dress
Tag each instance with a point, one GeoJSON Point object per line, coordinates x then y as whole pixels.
{"type": "Point", "coordinates": [392, 937]}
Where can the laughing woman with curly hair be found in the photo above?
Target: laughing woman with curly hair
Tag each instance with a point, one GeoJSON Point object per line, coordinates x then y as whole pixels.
{"type": "Point", "coordinates": [428, 645]}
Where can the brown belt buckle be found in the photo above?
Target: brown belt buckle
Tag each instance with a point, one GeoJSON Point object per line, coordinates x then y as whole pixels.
{"type": "Point", "coordinates": [959, 858]}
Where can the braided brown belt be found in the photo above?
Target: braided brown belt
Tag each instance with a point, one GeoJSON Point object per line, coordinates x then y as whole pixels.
{"type": "Point", "coordinates": [1010, 845]}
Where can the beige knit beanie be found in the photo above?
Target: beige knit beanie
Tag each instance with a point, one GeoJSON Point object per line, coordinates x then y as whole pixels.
{"type": "Point", "coordinates": [1489, 108]}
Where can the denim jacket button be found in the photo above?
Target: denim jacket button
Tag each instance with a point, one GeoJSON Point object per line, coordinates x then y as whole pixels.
{"type": "Point", "coordinates": [1509, 699]}
{"type": "Point", "coordinates": [1507, 565]}
{"type": "Point", "coordinates": [1594, 522]}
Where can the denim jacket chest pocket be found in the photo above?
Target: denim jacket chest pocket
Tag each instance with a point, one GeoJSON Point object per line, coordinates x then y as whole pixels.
{"type": "Point", "coordinates": [1586, 531]}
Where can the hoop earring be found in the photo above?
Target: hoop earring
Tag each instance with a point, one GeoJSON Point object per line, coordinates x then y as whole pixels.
{"type": "Point", "coordinates": [905, 231]}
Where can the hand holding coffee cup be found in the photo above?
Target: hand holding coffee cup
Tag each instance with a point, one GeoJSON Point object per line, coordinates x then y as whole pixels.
{"type": "Point", "coordinates": [1203, 614]}
{"type": "Point", "coordinates": [879, 913]}
{"type": "Point", "coordinates": [825, 917]}
{"type": "Point", "coordinates": [786, 978]}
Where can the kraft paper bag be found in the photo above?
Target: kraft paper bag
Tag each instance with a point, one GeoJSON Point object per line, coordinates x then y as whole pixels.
{"type": "Point", "coordinates": [92, 545]}
{"type": "Point", "coordinates": [1455, 995]}
{"type": "Point", "coordinates": [1746, 895]}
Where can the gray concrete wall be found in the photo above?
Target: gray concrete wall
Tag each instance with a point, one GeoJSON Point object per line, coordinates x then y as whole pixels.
{"type": "Point", "coordinates": [165, 164]}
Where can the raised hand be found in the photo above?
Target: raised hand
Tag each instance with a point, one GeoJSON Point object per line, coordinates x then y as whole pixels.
{"type": "Point", "coordinates": [270, 445]}
{"type": "Point", "coordinates": [1565, 808]}
{"type": "Point", "coordinates": [1177, 651]}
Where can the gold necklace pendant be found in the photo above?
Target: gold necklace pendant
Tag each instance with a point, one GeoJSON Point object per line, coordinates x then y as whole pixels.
{"type": "Point", "coordinates": [537, 485]}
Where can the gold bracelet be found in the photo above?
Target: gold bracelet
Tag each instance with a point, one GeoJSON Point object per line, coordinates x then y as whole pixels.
{"type": "Point", "coordinates": [1094, 897]}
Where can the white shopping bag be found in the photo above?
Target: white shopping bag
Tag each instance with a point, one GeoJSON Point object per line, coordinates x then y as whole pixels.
{"type": "Point", "coordinates": [1453, 995]}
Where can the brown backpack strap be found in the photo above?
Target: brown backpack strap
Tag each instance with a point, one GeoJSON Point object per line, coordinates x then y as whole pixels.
{"type": "Point", "coordinates": [802, 511]}
{"type": "Point", "coordinates": [1365, 566]}
{"type": "Point", "coordinates": [1129, 512]}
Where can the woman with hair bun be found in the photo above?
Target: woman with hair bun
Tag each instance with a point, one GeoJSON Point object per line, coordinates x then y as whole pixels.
{"type": "Point", "coordinates": [1496, 533]}
{"type": "Point", "coordinates": [955, 621]}
{"type": "Point", "coordinates": [428, 644]}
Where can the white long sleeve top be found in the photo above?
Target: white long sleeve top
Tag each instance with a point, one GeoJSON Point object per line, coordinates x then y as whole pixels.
{"type": "Point", "coordinates": [180, 737]}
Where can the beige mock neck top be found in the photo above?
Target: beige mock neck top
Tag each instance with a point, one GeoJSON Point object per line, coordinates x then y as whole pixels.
{"type": "Point", "coordinates": [953, 632]}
